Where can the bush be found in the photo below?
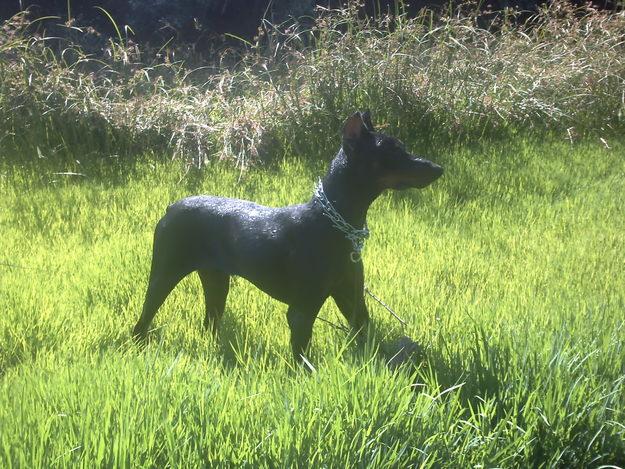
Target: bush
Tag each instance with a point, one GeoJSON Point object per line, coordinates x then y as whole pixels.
{"type": "Point", "coordinates": [447, 79]}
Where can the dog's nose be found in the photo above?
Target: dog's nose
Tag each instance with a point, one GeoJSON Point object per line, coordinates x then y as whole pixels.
{"type": "Point", "coordinates": [432, 170]}
{"type": "Point", "coordinates": [425, 172]}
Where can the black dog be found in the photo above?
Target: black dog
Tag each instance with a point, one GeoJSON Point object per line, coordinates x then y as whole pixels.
{"type": "Point", "coordinates": [300, 254]}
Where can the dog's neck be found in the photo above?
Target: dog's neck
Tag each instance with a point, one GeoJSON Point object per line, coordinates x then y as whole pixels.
{"type": "Point", "coordinates": [349, 196]}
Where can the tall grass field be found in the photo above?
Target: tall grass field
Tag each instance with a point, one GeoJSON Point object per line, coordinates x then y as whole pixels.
{"type": "Point", "coordinates": [509, 271]}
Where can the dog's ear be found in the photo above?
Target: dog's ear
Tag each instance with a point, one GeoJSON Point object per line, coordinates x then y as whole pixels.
{"type": "Point", "coordinates": [353, 127]}
{"type": "Point", "coordinates": [366, 118]}
{"type": "Point", "coordinates": [354, 130]}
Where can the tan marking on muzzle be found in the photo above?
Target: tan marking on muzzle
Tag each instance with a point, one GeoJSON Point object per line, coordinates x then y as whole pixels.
{"type": "Point", "coordinates": [393, 180]}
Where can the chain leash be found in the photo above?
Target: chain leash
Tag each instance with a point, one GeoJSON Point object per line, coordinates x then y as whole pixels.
{"type": "Point", "coordinates": [354, 235]}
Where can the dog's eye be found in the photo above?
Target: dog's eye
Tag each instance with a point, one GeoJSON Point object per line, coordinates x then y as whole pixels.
{"type": "Point", "coordinates": [386, 146]}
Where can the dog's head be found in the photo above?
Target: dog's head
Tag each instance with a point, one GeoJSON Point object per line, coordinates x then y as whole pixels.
{"type": "Point", "coordinates": [382, 160]}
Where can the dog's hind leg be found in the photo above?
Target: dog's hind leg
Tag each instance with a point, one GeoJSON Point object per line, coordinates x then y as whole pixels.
{"type": "Point", "coordinates": [215, 285]}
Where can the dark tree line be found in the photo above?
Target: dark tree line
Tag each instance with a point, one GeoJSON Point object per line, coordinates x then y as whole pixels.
{"type": "Point", "coordinates": [201, 20]}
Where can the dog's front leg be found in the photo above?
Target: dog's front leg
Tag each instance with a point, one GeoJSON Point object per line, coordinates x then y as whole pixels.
{"type": "Point", "coordinates": [349, 298]}
{"type": "Point", "coordinates": [301, 319]}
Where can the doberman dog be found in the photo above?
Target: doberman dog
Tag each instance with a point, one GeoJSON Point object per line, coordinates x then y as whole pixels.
{"type": "Point", "coordinates": [300, 254]}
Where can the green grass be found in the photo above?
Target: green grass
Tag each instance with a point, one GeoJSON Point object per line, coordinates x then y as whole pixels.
{"type": "Point", "coordinates": [509, 271]}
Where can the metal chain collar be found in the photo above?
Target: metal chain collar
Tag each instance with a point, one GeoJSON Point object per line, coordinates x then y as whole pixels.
{"type": "Point", "coordinates": [355, 236]}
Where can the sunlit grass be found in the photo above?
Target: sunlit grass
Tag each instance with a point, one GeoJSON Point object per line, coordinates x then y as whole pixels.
{"type": "Point", "coordinates": [509, 271]}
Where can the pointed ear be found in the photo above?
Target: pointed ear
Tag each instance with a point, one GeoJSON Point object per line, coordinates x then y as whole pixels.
{"type": "Point", "coordinates": [354, 127]}
{"type": "Point", "coordinates": [366, 118]}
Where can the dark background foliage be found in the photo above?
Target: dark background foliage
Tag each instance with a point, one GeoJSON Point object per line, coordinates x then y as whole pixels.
{"type": "Point", "coordinates": [201, 22]}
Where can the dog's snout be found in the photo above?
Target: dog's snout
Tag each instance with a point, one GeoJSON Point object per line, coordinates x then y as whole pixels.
{"type": "Point", "coordinates": [429, 166]}
{"type": "Point", "coordinates": [425, 172]}
{"type": "Point", "coordinates": [437, 169]}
